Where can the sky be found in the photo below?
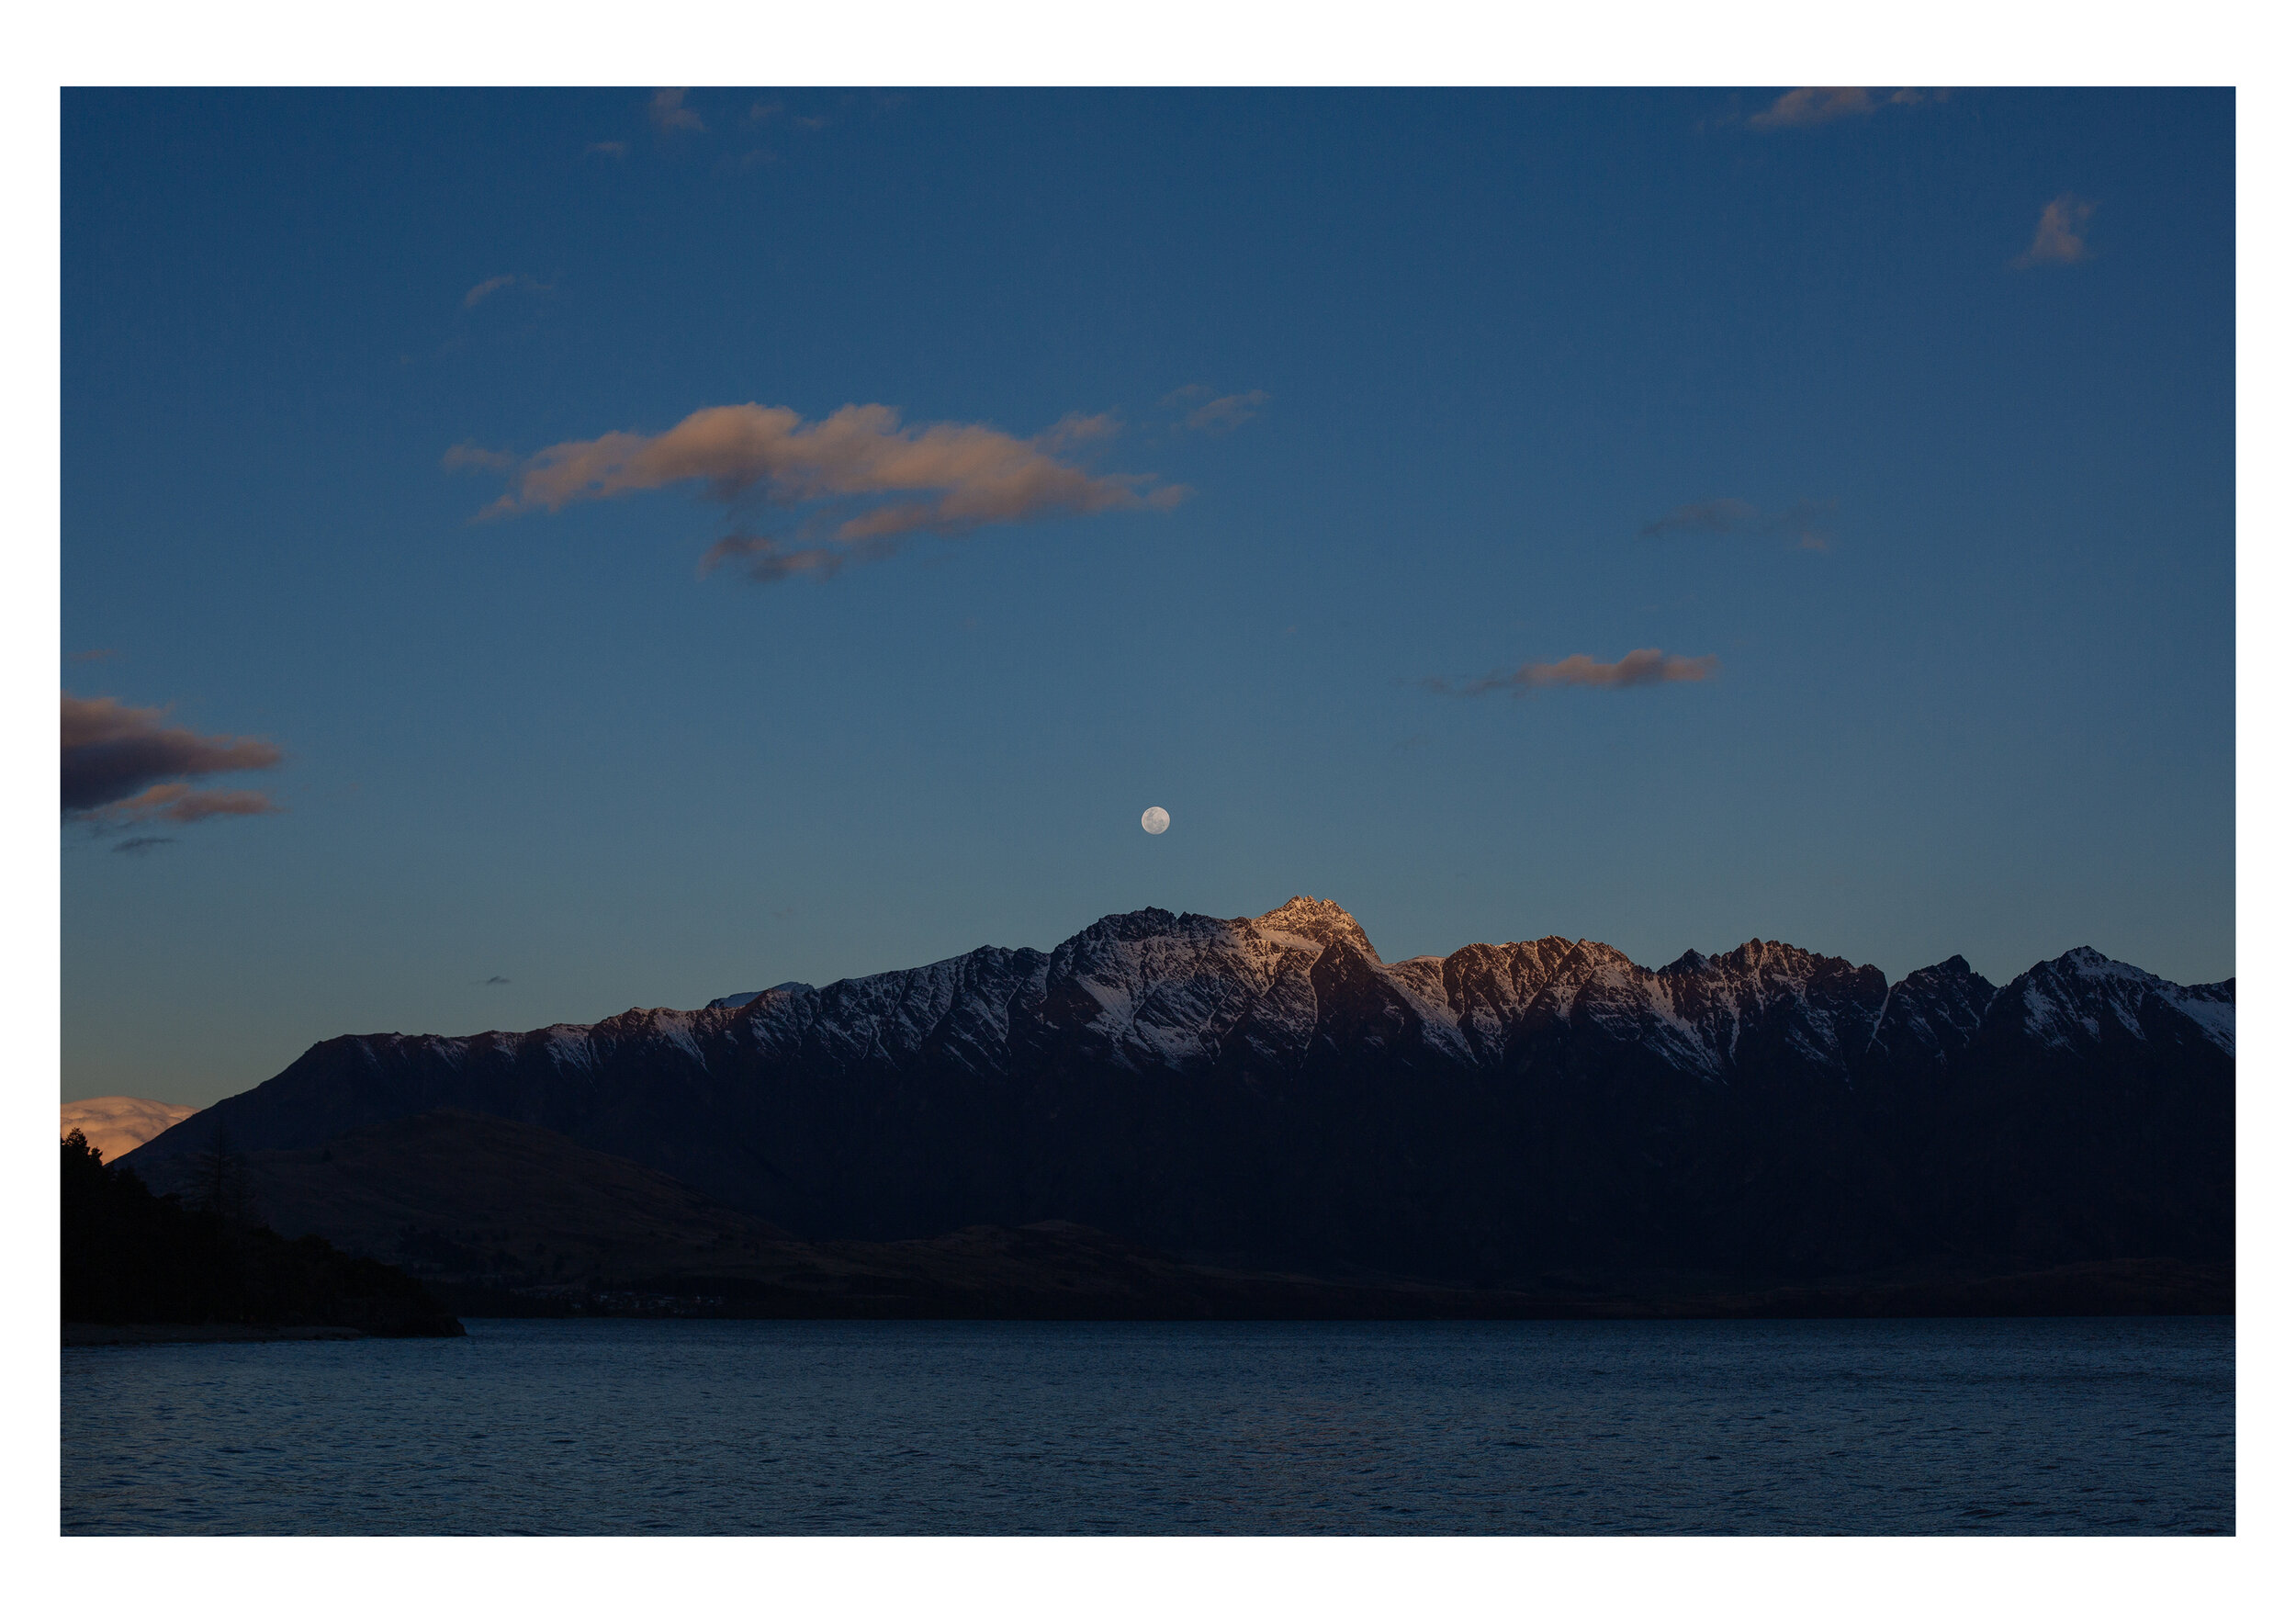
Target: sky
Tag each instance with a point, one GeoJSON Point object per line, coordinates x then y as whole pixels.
{"type": "Point", "coordinates": [531, 555]}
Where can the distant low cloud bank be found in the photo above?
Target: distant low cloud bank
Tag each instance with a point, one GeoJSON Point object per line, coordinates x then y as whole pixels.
{"type": "Point", "coordinates": [1640, 668]}
{"type": "Point", "coordinates": [872, 483]}
{"type": "Point", "coordinates": [122, 765]}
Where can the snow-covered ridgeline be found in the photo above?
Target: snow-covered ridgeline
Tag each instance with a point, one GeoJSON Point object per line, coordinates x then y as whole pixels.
{"type": "Point", "coordinates": [1153, 991]}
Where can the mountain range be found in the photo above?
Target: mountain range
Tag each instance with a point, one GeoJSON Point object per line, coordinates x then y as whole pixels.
{"type": "Point", "coordinates": [1268, 1091]}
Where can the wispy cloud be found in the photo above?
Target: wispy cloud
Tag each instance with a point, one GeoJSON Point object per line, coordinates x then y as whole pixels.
{"type": "Point", "coordinates": [1228, 412]}
{"type": "Point", "coordinates": [1640, 668]}
{"type": "Point", "coordinates": [1717, 516]}
{"type": "Point", "coordinates": [143, 843]}
{"type": "Point", "coordinates": [1727, 516]}
{"type": "Point", "coordinates": [116, 758]}
{"type": "Point", "coordinates": [668, 111]}
{"type": "Point", "coordinates": [180, 803]}
{"type": "Point", "coordinates": [1219, 415]}
{"type": "Point", "coordinates": [1798, 109]}
{"type": "Point", "coordinates": [607, 149]}
{"type": "Point", "coordinates": [1076, 428]}
{"type": "Point", "coordinates": [773, 558]}
{"type": "Point", "coordinates": [2057, 240]}
{"type": "Point", "coordinates": [763, 112]}
{"type": "Point", "coordinates": [491, 285]}
{"type": "Point", "coordinates": [871, 482]}
{"type": "Point", "coordinates": [494, 284]}
{"type": "Point", "coordinates": [86, 654]}
{"type": "Point", "coordinates": [471, 455]}
{"type": "Point", "coordinates": [496, 980]}
{"type": "Point", "coordinates": [1810, 105]}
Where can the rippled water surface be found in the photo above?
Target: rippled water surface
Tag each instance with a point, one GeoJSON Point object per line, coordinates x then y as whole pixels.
{"type": "Point", "coordinates": [2030, 1425]}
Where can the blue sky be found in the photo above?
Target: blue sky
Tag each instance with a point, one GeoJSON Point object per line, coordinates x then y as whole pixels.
{"type": "Point", "coordinates": [1928, 499]}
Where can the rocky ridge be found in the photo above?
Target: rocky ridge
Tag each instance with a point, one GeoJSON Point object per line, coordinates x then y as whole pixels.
{"type": "Point", "coordinates": [1271, 1087]}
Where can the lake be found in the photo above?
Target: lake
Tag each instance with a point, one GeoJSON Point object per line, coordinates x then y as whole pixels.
{"type": "Point", "coordinates": [538, 1426]}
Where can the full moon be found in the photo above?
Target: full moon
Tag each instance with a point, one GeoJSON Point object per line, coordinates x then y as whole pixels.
{"type": "Point", "coordinates": [1155, 819]}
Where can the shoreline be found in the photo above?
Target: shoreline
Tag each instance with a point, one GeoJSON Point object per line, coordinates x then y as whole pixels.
{"type": "Point", "coordinates": [85, 1334]}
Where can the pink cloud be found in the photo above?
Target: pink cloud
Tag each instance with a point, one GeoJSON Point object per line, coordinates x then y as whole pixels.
{"type": "Point", "coordinates": [180, 803]}
{"type": "Point", "coordinates": [114, 756]}
{"type": "Point", "coordinates": [870, 479]}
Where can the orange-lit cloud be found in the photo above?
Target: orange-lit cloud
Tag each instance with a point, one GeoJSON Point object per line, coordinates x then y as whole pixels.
{"type": "Point", "coordinates": [1641, 668]}
{"type": "Point", "coordinates": [2057, 240]}
{"type": "Point", "coordinates": [870, 481]}
{"type": "Point", "coordinates": [115, 757]}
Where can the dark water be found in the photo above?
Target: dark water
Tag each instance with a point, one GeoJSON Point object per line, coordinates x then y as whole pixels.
{"type": "Point", "coordinates": [2002, 1426]}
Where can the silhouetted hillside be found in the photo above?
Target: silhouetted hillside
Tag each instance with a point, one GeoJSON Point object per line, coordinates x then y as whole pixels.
{"type": "Point", "coordinates": [504, 1218]}
{"type": "Point", "coordinates": [454, 1194]}
{"type": "Point", "coordinates": [131, 1257]}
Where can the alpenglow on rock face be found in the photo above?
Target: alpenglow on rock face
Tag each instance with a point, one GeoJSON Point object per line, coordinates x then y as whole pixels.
{"type": "Point", "coordinates": [1269, 1087]}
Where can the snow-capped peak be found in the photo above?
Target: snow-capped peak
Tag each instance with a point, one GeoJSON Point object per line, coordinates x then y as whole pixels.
{"type": "Point", "coordinates": [2075, 995]}
{"type": "Point", "coordinates": [1325, 922]}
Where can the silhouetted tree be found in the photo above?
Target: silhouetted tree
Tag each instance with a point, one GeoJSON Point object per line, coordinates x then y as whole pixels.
{"type": "Point", "coordinates": [224, 1182]}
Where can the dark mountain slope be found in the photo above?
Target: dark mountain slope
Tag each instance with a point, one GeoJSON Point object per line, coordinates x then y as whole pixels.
{"type": "Point", "coordinates": [478, 1197]}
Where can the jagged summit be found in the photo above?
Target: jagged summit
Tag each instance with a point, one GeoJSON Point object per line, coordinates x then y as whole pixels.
{"type": "Point", "coordinates": [1325, 921]}
{"type": "Point", "coordinates": [2088, 961]}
